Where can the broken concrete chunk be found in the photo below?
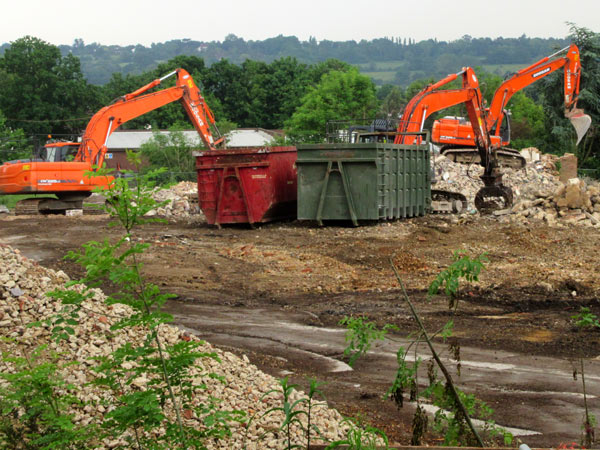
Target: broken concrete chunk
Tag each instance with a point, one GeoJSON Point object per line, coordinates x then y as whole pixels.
{"type": "Point", "coordinates": [16, 291]}
{"type": "Point", "coordinates": [568, 167]}
{"type": "Point", "coordinates": [502, 212]}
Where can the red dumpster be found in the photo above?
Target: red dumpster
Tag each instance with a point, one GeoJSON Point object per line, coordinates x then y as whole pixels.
{"type": "Point", "coordinates": [247, 185]}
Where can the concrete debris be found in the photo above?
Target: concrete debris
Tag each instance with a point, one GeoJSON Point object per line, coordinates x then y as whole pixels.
{"type": "Point", "coordinates": [181, 202]}
{"type": "Point", "coordinates": [531, 154]}
{"type": "Point", "coordinates": [23, 284]}
{"type": "Point", "coordinates": [4, 209]}
{"type": "Point", "coordinates": [568, 167]}
{"type": "Point", "coordinates": [539, 195]}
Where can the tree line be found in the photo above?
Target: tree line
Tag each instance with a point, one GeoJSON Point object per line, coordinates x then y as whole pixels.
{"type": "Point", "coordinates": [413, 59]}
{"type": "Point", "coordinates": [45, 92]}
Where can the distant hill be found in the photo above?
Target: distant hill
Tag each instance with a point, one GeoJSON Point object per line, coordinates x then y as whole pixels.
{"type": "Point", "coordinates": [386, 60]}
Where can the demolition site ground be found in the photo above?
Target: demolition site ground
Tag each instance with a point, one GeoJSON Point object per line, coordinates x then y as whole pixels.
{"type": "Point", "coordinates": [277, 293]}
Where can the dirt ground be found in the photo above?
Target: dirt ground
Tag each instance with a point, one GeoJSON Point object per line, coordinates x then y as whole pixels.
{"type": "Point", "coordinates": [536, 279]}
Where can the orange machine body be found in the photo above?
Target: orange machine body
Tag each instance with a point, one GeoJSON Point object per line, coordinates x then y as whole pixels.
{"type": "Point", "coordinates": [57, 175]}
{"type": "Point", "coordinates": [459, 133]}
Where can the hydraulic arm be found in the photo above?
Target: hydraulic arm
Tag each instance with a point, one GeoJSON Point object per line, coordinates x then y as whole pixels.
{"type": "Point", "coordinates": [453, 133]}
{"type": "Point", "coordinates": [130, 106]}
{"type": "Point", "coordinates": [430, 100]}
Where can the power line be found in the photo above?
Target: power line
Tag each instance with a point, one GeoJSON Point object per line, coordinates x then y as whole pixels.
{"type": "Point", "coordinates": [49, 120]}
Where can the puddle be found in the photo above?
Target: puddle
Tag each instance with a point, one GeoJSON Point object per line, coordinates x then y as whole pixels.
{"type": "Point", "coordinates": [511, 316]}
{"type": "Point", "coordinates": [481, 424]}
{"type": "Point", "coordinates": [542, 393]}
{"type": "Point", "coordinates": [282, 334]}
{"type": "Point", "coordinates": [329, 364]}
{"type": "Point", "coordinates": [475, 364]}
{"type": "Point", "coordinates": [298, 327]}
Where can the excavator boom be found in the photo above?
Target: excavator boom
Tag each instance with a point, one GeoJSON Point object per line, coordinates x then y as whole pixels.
{"type": "Point", "coordinates": [571, 64]}
{"type": "Point", "coordinates": [130, 106]}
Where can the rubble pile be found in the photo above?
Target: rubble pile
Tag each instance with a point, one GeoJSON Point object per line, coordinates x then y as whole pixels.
{"type": "Point", "coordinates": [182, 202]}
{"type": "Point", "coordinates": [539, 194]}
{"type": "Point", "coordinates": [576, 202]}
{"type": "Point", "coordinates": [23, 284]}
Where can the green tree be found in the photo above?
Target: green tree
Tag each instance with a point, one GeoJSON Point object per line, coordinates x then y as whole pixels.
{"type": "Point", "coordinates": [228, 83]}
{"type": "Point", "coordinates": [393, 103]}
{"type": "Point", "coordinates": [527, 122]}
{"type": "Point", "coordinates": [339, 96]}
{"type": "Point", "coordinates": [42, 91]}
{"type": "Point", "coordinates": [172, 151]}
{"type": "Point", "coordinates": [318, 70]}
{"type": "Point", "coordinates": [13, 144]}
{"type": "Point", "coordinates": [560, 133]}
{"type": "Point", "coordinates": [275, 90]}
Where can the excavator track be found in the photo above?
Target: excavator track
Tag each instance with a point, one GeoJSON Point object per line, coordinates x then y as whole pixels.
{"type": "Point", "coordinates": [446, 202]}
{"type": "Point", "coordinates": [49, 205]}
{"type": "Point", "coordinates": [28, 207]}
{"type": "Point", "coordinates": [507, 157]}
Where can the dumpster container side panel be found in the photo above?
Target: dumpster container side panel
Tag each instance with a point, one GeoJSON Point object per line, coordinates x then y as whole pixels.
{"type": "Point", "coordinates": [207, 192]}
{"type": "Point", "coordinates": [375, 180]}
{"type": "Point", "coordinates": [247, 185]}
{"type": "Point", "coordinates": [311, 179]}
{"type": "Point", "coordinates": [362, 180]}
{"type": "Point", "coordinates": [336, 200]}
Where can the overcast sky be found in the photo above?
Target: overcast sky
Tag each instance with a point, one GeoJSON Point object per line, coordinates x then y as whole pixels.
{"type": "Point", "coordinates": [124, 22]}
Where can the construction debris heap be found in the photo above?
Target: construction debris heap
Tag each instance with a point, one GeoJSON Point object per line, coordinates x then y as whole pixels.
{"type": "Point", "coordinates": [23, 285]}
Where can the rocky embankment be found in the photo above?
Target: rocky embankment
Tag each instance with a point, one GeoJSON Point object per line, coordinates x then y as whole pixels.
{"type": "Point", "coordinates": [23, 285]}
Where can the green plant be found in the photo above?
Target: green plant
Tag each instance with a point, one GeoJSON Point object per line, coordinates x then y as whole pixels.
{"type": "Point", "coordinates": [313, 391]}
{"type": "Point", "coordinates": [450, 421]}
{"type": "Point", "coordinates": [150, 415]}
{"type": "Point", "coordinates": [292, 412]}
{"type": "Point", "coordinates": [455, 407]}
{"type": "Point", "coordinates": [360, 335]}
{"type": "Point", "coordinates": [558, 165]}
{"type": "Point", "coordinates": [586, 319]}
{"type": "Point", "coordinates": [361, 437]}
{"type": "Point", "coordinates": [406, 377]}
{"type": "Point", "coordinates": [462, 267]}
{"type": "Point", "coordinates": [34, 402]}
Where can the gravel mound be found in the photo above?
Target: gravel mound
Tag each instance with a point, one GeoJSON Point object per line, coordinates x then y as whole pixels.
{"type": "Point", "coordinates": [23, 284]}
{"type": "Point", "coordinates": [181, 202]}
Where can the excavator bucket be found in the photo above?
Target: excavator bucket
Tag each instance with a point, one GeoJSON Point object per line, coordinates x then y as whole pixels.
{"type": "Point", "coordinates": [580, 121]}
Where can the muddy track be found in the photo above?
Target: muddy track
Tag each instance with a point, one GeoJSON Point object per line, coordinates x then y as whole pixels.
{"type": "Point", "coordinates": [277, 293]}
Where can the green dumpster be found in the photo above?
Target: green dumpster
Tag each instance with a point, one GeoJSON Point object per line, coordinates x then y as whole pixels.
{"type": "Point", "coordinates": [364, 181]}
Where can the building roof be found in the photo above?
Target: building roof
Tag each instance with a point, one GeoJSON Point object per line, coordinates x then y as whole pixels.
{"type": "Point", "coordinates": [133, 139]}
{"type": "Point", "coordinates": [242, 137]}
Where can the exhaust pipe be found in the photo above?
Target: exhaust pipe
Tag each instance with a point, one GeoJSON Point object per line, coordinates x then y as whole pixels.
{"type": "Point", "coordinates": [580, 121]}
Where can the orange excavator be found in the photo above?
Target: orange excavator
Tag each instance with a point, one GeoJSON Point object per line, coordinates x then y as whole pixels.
{"type": "Point", "coordinates": [62, 166]}
{"type": "Point", "coordinates": [494, 195]}
{"type": "Point", "coordinates": [456, 135]}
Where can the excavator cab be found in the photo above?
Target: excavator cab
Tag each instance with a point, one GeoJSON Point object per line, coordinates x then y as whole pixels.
{"type": "Point", "coordinates": [58, 151]}
{"type": "Point", "coordinates": [504, 131]}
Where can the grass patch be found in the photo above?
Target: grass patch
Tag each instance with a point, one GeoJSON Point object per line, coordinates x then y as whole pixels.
{"type": "Point", "coordinates": [385, 77]}
{"type": "Point", "coordinates": [11, 200]}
